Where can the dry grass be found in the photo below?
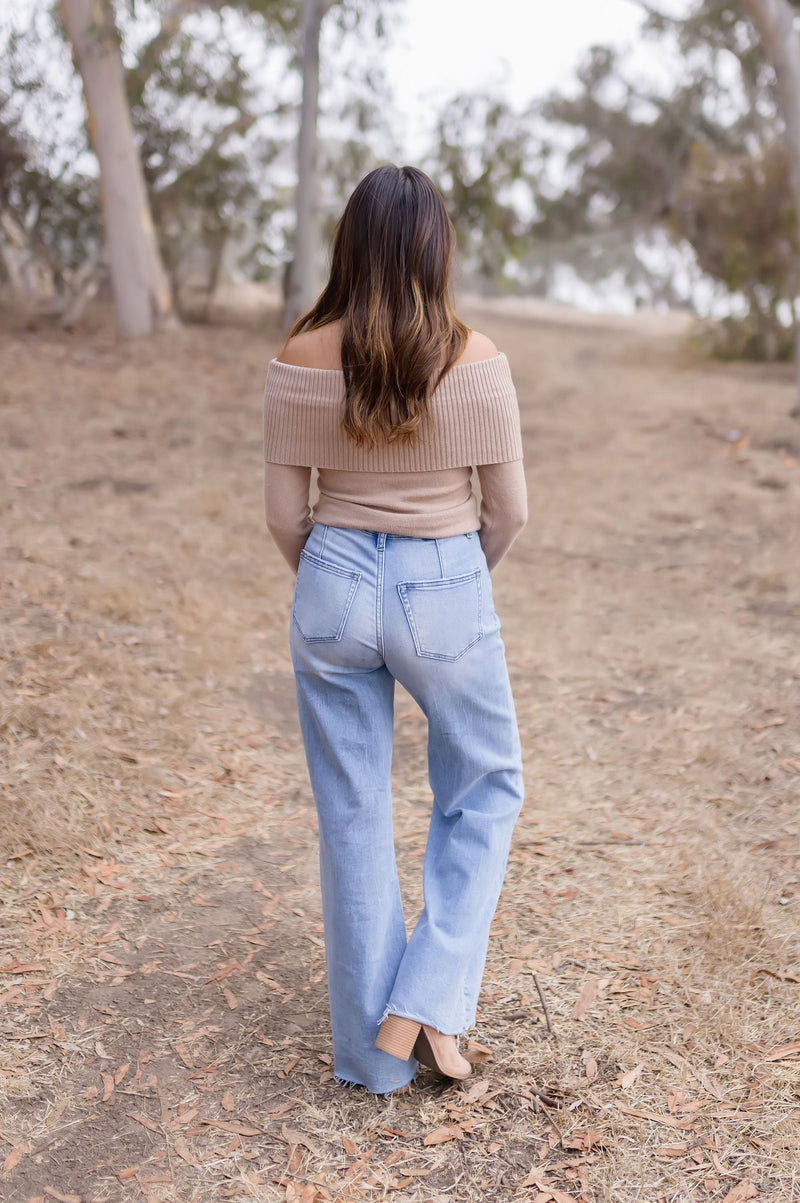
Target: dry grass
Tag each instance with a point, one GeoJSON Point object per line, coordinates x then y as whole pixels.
{"type": "Point", "coordinates": [165, 1029]}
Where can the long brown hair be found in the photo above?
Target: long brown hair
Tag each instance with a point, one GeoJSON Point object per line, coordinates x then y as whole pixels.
{"type": "Point", "coordinates": [390, 287]}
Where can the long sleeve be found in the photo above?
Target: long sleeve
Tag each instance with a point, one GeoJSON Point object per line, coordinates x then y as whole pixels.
{"type": "Point", "coordinates": [504, 507]}
{"type": "Point", "coordinates": [286, 508]}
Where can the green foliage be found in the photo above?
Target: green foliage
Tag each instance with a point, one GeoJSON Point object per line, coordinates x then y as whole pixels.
{"type": "Point", "coordinates": [698, 161]}
{"type": "Point", "coordinates": [213, 91]}
{"type": "Point", "coordinates": [356, 127]}
{"type": "Point", "coordinates": [196, 115]}
{"type": "Point", "coordinates": [746, 337]}
{"type": "Point", "coordinates": [751, 248]}
{"type": "Point", "coordinates": [49, 219]}
{"type": "Point", "coordinates": [484, 162]}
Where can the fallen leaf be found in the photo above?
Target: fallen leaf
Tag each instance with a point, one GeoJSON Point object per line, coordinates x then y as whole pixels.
{"type": "Point", "coordinates": [108, 1087]}
{"type": "Point", "coordinates": [536, 1177]}
{"type": "Point", "coordinates": [15, 967]}
{"type": "Point", "coordinates": [742, 1191]}
{"type": "Point", "coordinates": [782, 1051]}
{"type": "Point", "coordinates": [227, 1101]}
{"type": "Point", "coordinates": [439, 1135]}
{"type": "Point", "coordinates": [56, 1194]}
{"type": "Point", "coordinates": [477, 1053]}
{"type": "Point", "coordinates": [184, 1152]}
{"type": "Point", "coordinates": [223, 971]}
{"type": "Point", "coordinates": [475, 1092]}
{"type": "Point", "coordinates": [591, 1069]}
{"type": "Point", "coordinates": [588, 995]}
{"type": "Point", "coordinates": [293, 1136]}
{"type": "Point", "coordinates": [15, 1157]}
{"type": "Point", "coordinates": [626, 1080]}
{"type": "Point", "coordinates": [593, 1139]}
{"type": "Point", "coordinates": [186, 1117]}
{"type": "Point", "coordinates": [144, 1120]}
{"type": "Point", "coordinates": [230, 998]}
{"type": "Point", "coordinates": [705, 1079]}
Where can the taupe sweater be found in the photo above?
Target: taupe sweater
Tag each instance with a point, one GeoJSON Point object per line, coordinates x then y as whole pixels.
{"type": "Point", "coordinates": [423, 489]}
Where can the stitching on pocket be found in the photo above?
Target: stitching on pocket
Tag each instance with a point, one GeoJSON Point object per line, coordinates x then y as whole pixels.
{"type": "Point", "coordinates": [348, 574]}
{"type": "Point", "coordinates": [405, 588]}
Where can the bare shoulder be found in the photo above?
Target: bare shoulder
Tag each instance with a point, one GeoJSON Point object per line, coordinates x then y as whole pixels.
{"type": "Point", "coordinates": [321, 348]}
{"type": "Point", "coordinates": [479, 346]}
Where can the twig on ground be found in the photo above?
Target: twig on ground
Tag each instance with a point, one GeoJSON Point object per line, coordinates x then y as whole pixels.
{"type": "Point", "coordinates": [540, 992]}
{"type": "Point", "coordinates": [533, 1091]}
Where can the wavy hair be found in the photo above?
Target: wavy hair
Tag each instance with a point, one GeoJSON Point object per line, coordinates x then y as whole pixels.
{"type": "Point", "coordinates": [389, 285]}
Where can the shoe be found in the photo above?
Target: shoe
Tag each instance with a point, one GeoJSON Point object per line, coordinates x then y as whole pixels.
{"type": "Point", "coordinates": [440, 1052]}
{"type": "Point", "coordinates": [400, 1037]}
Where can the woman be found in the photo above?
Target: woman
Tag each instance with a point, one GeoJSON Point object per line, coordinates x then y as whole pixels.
{"type": "Point", "coordinates": [393, 400]}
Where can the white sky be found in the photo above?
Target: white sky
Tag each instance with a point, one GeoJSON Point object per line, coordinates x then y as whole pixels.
{"type": "Point", "coordinates": [520, 48]}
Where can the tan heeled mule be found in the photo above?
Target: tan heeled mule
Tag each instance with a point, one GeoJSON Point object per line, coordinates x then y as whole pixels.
{"type": "Point", "coordinates": [400, 1037]}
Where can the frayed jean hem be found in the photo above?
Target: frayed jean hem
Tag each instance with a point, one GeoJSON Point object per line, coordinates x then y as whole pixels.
{"type": "Point", "coordinates": [349, 1084]}
{"type": "Point", "coordinates": [415, 1018]}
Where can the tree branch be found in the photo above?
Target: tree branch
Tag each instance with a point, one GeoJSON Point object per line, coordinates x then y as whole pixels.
{"type": "Point", "coordinates": [150, 55]}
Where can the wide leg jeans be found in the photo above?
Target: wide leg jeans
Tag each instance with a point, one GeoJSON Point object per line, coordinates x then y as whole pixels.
{"type": "Point", "coordinates": [370, 609]}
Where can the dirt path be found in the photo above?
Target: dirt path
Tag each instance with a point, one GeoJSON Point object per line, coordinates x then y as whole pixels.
{"type": "Point", "coordinates": [164, 1022]}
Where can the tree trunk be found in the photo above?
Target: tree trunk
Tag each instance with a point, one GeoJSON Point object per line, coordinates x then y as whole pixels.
{"type": "Point", "coordinates": [774, 20]}
{"type": "Point", "coordinates": [139, 283]}
{"type": "Point", "coordinates": [303, 274]}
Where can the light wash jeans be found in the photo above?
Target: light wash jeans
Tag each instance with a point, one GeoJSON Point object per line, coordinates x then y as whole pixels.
{"type": "Point", "coordinates": [370, 609]}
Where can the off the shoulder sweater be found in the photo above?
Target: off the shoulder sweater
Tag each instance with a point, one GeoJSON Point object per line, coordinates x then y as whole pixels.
{"type": "Point", "coordinates": [423, 489]}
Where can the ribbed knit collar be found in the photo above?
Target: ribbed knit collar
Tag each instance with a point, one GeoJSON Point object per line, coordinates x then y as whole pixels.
{"type": "Point", "coordinates": [485, 375]}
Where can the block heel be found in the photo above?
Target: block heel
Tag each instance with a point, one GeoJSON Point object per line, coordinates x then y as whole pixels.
{"type": "Point", "coordinates": [397, 1036]}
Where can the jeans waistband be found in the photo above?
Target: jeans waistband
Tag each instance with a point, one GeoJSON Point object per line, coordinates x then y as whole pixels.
{"type": "Point", "coordinates": [381, 537]}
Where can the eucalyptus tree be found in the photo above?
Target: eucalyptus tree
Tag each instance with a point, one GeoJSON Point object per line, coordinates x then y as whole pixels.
{"type": "Point", "coordinates": [302, 276]}
{"type": "Point", "coordinates": [363, 20]}
{"type": "Point", "coordinates": [775, 21]}
{"type": "Point", "coordinates": [139, 282]}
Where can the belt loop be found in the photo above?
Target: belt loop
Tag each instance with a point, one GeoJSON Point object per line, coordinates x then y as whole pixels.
{"type": "Point", "coordinates": [441, 557]}
{"type": "Point", "coordinates": [381, 540]}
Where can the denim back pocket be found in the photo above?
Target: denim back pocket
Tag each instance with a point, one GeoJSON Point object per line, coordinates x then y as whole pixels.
{"type": "Point", "coordinates": [444, 615]}
{"type": "Point", "coordinates": [323, 596]}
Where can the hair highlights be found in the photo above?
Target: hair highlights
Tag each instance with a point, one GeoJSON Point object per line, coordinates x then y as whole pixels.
{"type": "Point", "coordinates": [390, 287]}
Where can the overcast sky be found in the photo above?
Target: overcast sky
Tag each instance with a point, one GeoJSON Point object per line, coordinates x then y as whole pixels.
{"type": "Point", "coordinates": [521, 48]}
